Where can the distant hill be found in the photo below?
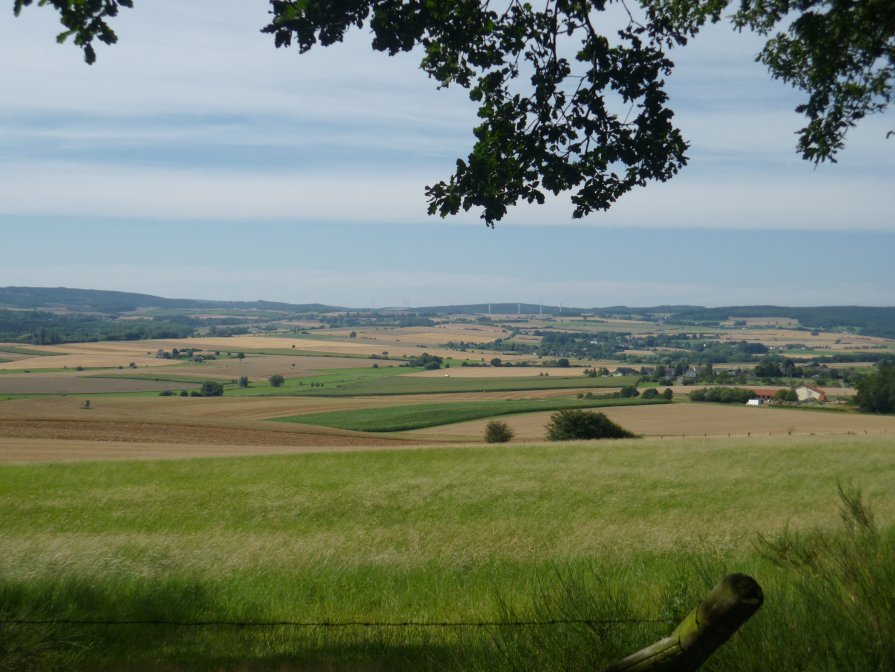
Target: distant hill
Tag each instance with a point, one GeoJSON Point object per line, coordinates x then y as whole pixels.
{"type": "Point", "coordinates": [494, 308]}
{"type": "Point", "coordinates": [869, 321]}
{"type": "Point", "coordinates": [109, 302]}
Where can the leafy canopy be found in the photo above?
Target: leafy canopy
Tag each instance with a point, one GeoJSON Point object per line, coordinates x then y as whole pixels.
{"type": "Point", "coordinates": [568, 105]}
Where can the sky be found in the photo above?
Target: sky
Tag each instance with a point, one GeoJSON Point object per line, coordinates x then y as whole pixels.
{"type": "Point", "coordinates": [195, 160]}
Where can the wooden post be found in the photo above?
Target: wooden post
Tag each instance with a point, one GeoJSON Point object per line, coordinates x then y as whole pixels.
{"type": "Point", "coordinates": [730, 604]}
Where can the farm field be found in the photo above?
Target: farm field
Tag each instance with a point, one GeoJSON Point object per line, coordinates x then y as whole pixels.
{"type": "Point", "coordinates": [692, 420]}
{"type": "Point", "coordinates": [523, 532]}
{"type": "Point", "coordinates": [71, 382]}
{"type": "Point", "coordinates": [395, 419]}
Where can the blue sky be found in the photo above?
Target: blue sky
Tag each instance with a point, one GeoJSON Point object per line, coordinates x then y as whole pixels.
{"type": "Point", "coordinates": [195, 160]}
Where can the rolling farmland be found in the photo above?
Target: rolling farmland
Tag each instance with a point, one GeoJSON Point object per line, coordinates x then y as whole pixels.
{"type": "Point", "coordinates": [359, 489]}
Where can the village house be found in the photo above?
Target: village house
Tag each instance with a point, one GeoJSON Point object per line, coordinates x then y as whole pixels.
{"type": "Point", "coordinates": [810, 393]}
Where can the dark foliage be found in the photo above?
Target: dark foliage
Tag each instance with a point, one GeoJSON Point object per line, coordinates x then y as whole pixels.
{"type": "Point", "coordinates": [498, 432]}
{"type": "Point", "coordinates": [722, 395]}
{"type": "Point", "coordinates": [211, 388]}
{"type": "Point", "coordinates": [45, 328]}
{"type": "Point", "coordinates": [876, 393]}
{"type": "Point", "coordinates": [426, 361]}
{"type": "Point", "coordinates": [574, 424]}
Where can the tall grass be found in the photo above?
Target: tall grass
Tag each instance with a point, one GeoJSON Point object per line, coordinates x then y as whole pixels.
{"type": "Point", "coordinates": [611, 534]}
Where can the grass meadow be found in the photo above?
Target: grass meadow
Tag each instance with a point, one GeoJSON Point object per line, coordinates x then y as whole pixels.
{"type": "Point", "coordinates": [605, 531]}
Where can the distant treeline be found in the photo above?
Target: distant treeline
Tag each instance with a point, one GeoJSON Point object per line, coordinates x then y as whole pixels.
{"type": "Point", "coordinates": [104, 301]}
{"type": "Point", "coordinates": [45, 328]}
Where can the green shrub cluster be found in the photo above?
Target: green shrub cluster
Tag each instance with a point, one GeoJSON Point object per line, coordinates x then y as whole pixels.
{"type": "Point", "coordinates": [498, 432]}
{"type": "Point", "coordinates": [571, 424]}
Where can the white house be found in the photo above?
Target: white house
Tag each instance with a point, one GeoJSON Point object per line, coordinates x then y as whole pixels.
{"type": "Point", "coordinates": [809, 393]}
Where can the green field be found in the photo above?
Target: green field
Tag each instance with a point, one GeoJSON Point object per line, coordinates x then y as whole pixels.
{"type": "Point", "coordinates": [633, 529]}
{"type": "Point", "coordinates": [16, 350]}
{"type": "Point", "coordinates": [418, 416]}
{"type": "Point", "coordinates": [391, 381]}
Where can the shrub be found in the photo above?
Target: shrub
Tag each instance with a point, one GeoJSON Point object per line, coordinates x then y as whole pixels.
{"type": "Point", "coordinates": [243, 381]}
{"type": "Point", "coordinates": [650, 393]}
{"type": "Point", "coordinates": [165, 393]}
{"type": "Point", "coordinates": [498, 432]}
{"type": "Point", "coordinates": [668, 394]}
{"type": "Point", "coordinates": [629, 391]}
{"type": "Point", "coordinates": [184, 393]}
{"type": "Point", "coordinates": [426, 361]}
{"type": "Point", "coordinates": [786, 395]}
{"type": "Point", "coordinates": [211, 388]}
{"type": "Point", "coordinates": [571, 424]}
{"type": "Point", "coordinates": [276, 380]}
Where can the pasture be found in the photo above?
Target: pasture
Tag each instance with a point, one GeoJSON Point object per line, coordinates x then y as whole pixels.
{"type": "Point", "coordinates": [441, 534]}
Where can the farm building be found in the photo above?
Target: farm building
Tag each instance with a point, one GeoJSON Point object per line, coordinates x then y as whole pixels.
{"type": "Point", "coordinates": [810, 393]}
{"type": "Point", "coordinates": [764, 394]}
{"type": "Point", "coordinates": [625, 371]}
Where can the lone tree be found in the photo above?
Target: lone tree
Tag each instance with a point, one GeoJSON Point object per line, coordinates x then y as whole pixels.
{"type": "Point", "coordinates": [569, 100]}
{"type": "Point", "coordinates": [571, 424]}
{"type": "Point", "coordinates": [211, 388]}
{"type": "Point", "coordinates": [498, 432]}
{"type": "Point", "coordinates": [276, 380]}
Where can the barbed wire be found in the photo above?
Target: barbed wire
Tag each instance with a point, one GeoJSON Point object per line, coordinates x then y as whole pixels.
{"type": "Point", "coordinates": [339, 624]}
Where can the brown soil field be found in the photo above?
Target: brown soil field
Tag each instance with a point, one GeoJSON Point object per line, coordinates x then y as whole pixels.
{"type": "Point", "coordinates": [87, 360]}
{"type": "Point", "coordinates": [56, 450]}
{"type": "Point", "coordinates": [66, 383]}
{"type": "Point", "coordinates": [147, 432]}
{"type": "Point", "coordinates": [693, 420]}
{"type": "Point", "coordinates": [396, 347]}
{"type": "Point", "coordinates": [243, 412]}
{"type": "Point", "coordinates": [436, 335]}
{"type": "Point", "coordinates": [261, 367]}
